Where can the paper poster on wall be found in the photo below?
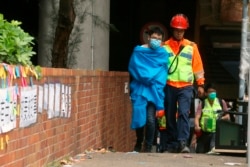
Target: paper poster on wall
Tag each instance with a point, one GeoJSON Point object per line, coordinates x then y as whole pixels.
{"type": "Point", "coordinates": [69, 102]}
{"type": "Point", "coordinates": [45, 97]}
{"type": "Point", "coordinates": [65, 101]}
{"type": "Point", "coordinates": [51, 111]}
{"type": "Point", "coordinates": [40, 99]}
{"type": "Point", "coordinates": [28, 106]}
{"type": "Point", "coordinates": [8, 103]}
{"type": "Point", "coordinates": [57, 99]}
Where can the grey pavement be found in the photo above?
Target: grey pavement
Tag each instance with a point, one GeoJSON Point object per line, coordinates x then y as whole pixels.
{"type": "Point", "coordinates": [134, 159]}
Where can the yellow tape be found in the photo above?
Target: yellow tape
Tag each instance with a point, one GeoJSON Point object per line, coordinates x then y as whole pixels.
{"type": "Point", "coordinates": [1, 144]}
{"type": "Point", "coordinates": [18, 109]}
{"type": "Point", "coordinates": [14, 111]}
{"type": "Point", "coordinates": [2, 72]}
{"type": "Point", "coordinates": [23, 72]}
{"type": "Point", "coordinates": [7, 139]}
{"type": "Point", "coordinates": [33, 72]}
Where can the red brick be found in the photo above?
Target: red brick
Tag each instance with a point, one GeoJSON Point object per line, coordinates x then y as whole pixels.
{"type": "Point", "coordinates": [98, 102]}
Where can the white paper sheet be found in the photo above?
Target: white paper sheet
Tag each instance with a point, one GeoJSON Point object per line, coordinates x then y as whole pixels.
{"type": "Point", "coordinates": [46, 96]}
{"type": "Point", "coordinates": [40, 99]}
{"type": "Point", "coordinates": [65, 101]}
{"type": "Point", "coordinates": [8, 103]}
{"type": "Point", "coordinates": [51, 111]}
{"type": "Point", "coordinates": [69, 102]}
{"type": "Point", "coordinates": [57, 99]}
{"type": "Point", "coordinates": [28, 105]}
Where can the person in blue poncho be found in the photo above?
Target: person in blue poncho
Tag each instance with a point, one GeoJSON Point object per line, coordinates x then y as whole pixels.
{"type": "Point", "coordinates": [148, 70]}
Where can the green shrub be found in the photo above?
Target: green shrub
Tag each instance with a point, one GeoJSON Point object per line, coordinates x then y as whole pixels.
{"type": "Point", "coordinates": [15, 44]}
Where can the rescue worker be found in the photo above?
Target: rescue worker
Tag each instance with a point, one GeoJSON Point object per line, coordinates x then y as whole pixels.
{"type": "Point", "coordinates": [185, 67]}
{"type": "Point", "coordinates": [148, 71]}
{"type": "Point", "coordinates": [208, 112]}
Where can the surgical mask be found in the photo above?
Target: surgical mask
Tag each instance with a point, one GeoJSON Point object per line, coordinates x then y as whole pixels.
{"type": "Point", "coordinates": [154, 43]}
{"type": "Point", "coordinates": [212, 95]}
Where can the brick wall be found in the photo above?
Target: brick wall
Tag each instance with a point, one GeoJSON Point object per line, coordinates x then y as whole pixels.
{"type": "Point", "coordinates": [100, 117]}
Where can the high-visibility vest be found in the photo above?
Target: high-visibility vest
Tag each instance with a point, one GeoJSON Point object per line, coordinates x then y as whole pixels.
{"type": "Point", "coordinates": [209, 115]}
{"type": "Point", "coordinates": [182, 67]}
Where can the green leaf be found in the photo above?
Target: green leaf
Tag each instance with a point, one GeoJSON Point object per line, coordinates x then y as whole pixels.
{"type": "Point", "coordinates": [16, 46]}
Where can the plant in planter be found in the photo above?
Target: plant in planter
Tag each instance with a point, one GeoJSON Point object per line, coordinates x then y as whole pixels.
{"type": "Point", "coordinates": [15, 44]}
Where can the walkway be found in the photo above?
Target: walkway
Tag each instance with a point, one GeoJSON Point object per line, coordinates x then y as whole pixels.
{"type": "Point", "coordinates": [133, 159]}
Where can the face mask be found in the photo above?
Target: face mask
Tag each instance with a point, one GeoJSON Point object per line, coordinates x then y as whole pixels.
{"type": "Point", "coordinates": [212, 95]}
{"type": "Point", "coordinates": [154, 43]}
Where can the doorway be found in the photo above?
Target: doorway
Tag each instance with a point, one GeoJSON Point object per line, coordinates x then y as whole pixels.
{"type": "Point", "coordinates": [131, 16]}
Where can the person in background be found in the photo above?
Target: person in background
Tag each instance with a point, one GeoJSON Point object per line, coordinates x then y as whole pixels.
{"type": "Point", "coordinates": [208, 112]}
{"type": "Point", "coordinates": [148, 70]}
{"type": "Point", "coordinates": [185, 67]}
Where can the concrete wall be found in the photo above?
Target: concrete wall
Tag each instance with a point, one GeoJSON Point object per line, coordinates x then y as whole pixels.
{"type": "Point", "coordinates": [94, 50]}
{"type": "Point", "coordinates": [94, 47]}
{"type": "Point", "coordinates": [100, 117]}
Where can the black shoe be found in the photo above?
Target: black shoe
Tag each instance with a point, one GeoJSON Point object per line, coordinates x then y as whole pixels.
{"type": "Point", "coordinates": [183, 147]}
{"type": "Point", "coordinates": [138, 147]}
{"type": "Point", "coordinates": [171, 150]}
{"type": "Point", "coordinates": [148, 149]}
{"type": "Point", "coordinates": [159, 148]}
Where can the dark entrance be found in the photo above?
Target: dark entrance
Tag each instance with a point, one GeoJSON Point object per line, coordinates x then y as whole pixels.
{"type": "Point", "coordinates": [130, 16]}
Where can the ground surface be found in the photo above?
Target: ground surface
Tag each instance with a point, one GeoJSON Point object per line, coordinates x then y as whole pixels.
{"type": "Point", "coordinates": [133, 159]}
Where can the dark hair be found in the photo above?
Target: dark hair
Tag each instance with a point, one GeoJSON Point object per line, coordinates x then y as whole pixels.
{"type": "Point", "coordinates": [156, 30]}
{"type": "Point", "coordinates": [209, 86]}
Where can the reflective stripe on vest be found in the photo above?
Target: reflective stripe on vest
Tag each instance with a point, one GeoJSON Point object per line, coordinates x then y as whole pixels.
{"type": "Point", "coordinates": [183, 72]}
{"type": "Point", "coordinates": [209, 115]}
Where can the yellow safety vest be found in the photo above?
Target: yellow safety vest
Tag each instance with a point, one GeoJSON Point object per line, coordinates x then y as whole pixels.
{"type": "Point", "coordinates": [209, 115]}
{"type": "Point", "coordinates": [182, 65]}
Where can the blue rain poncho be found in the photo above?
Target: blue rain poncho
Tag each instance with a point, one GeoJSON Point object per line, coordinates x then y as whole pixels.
{"type": "Point", "coordinates": [148, 70]}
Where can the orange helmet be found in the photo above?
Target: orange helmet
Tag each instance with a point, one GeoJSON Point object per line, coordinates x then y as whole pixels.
{"type": "Point", "coordinates": [179, 21]}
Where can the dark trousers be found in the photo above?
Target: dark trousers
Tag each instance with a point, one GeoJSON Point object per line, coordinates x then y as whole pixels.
{"type": "Point", "coordinates": [205, 142]}
{"type": "Point", "coordinates": [177, 101]}
{"type": "Point", "coordinates": [149, 128]}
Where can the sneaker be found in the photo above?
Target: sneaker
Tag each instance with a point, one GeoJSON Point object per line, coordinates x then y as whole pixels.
{"type": "Point", "coordinates": [183, 147]}
{"type": "Point", "coordinates": [185, 150]}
